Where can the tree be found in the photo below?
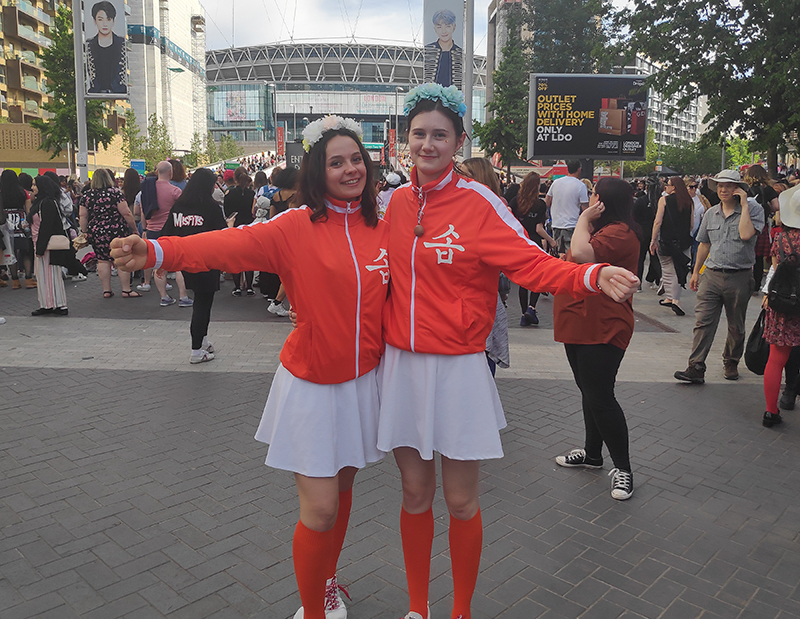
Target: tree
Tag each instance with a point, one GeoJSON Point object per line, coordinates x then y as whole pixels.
{"type": "Point", "coordinates": [738, 153]}
{"type": "Point", "coordinates": [196, 154]}
{"type": "Point", "coordinates": [133, 143]}
{"type": "Point", "coordinates": [211, 154]}
{"type": "Point", "coordinates": [59, 69]}
{"type": "Point", "coordinates": [506, 131]}
{"type": "Point", "coordinates": [692, 157]}
{"type": "Point", "coordinates": [229, 149]}
{"type": "Point", "coordinates": [568, 36]}
{"type": "Point", "coordinates": [158, 146]}
{"type": "Point", "coordinates": [643, 168]}
{"type": "Point", "coordinates": [741, 55]}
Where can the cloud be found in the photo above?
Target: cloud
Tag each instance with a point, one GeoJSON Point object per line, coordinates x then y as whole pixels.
{"type": "Point", "coordinates": [261, 22]}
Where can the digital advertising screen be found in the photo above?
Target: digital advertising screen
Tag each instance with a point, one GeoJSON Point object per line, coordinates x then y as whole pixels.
{"type": "Point", "coordinates": [573, 116]}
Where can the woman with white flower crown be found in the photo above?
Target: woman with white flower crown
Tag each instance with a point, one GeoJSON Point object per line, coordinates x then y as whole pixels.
{"type": "Point", "coordinates": [449, 237]}
{"type": "Point", "coordinates": [320, 419]}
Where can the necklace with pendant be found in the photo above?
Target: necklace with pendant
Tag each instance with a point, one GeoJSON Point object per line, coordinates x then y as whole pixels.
{"type": "Point", "coordinates": [418, 229]}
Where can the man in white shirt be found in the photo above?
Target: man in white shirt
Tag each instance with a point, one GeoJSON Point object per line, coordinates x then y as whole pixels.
{"type": "Point", "coordinates": [566, 200]}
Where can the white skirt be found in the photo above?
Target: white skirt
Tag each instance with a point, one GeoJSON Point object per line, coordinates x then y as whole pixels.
{"type": "Point", "coordinates": [444, 403]}
{"type": "Point", "coordinates": [316, 430]}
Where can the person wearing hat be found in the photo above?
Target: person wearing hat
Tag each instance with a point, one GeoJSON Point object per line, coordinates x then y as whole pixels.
{"type": "Point", "coordinates": [727, 238]}
{"type": "Point", "coordinates": [782, 331]}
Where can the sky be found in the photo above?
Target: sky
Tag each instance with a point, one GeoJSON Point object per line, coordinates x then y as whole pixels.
{"type": "Point", "coordinates": [258, 22]}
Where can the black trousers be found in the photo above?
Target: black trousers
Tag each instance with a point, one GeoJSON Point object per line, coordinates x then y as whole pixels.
{"type": "Point", "coordinates": [201, 316]}
{"type": "Point", "coordinates": [248, 277]}
{"type": "Point", "coordinates": [595, 369]}
{"type": "Point", "coordinates": [527, 299]}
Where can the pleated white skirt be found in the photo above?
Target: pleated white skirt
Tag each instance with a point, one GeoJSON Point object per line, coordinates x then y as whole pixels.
{"type": "Point", "coordinates": [316, 430]}
{"type": "Point", "coordinates": [444, 403]}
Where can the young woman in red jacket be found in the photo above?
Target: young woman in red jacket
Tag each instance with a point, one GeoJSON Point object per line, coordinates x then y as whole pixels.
{"type": "Point", "coordinates": [449, 237]}
{"type": "Point", "coordinates": [321, 415]}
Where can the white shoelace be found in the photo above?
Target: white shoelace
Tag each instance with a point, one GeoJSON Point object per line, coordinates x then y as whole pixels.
{"type": "Point", "coordinates": [621, 480]}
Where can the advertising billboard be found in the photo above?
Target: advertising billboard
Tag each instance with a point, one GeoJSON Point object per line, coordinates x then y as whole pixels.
{"type": "Point", "coordinates": [105, 53]}
{"type": "Point", "coordinates": [444, 42]}
{"type": "Point", "coordinates": [573, 116]}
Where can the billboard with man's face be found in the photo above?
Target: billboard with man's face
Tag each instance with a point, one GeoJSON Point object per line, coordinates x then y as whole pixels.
{"type": "Point", "coordinates": [444, 42]}
{"type": "Point", "coordinates": [106, 59]}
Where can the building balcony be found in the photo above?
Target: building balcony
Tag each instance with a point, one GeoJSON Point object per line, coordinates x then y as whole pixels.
{"type": "Point", "coordinates": [26, 32]}
{"type": "Point", "coordinates": [32, 11]}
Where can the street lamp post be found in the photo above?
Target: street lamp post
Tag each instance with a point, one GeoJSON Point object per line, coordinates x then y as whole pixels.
{"type": "Point", "coordinates": [397, 91]}
{"type": "Point", "coordinates": [294, 122]}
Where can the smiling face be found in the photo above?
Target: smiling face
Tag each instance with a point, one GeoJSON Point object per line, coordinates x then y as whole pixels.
{"type": "Point", "coordinates": [444, 31]}
{"type": "Point", "coordinates": [432, 141]}
{"type": "Point", "coordinates": [104, 23]}
{"type": "Point", "coordinates": [345, 169]}
{"type": "Point", "coordinates": [725, 191]}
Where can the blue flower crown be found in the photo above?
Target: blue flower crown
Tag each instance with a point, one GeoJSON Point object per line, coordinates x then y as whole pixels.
{"type": "Point", "coordinates": [451, 97]}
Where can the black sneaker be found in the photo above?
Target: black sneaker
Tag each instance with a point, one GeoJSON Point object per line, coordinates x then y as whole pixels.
{"type": "Point", "coordinates": [533, 317]}
{"type": "Point", "coordinates": [237, 292]}
{"type": "Point", "coordinates": [694, 374]}
{"type": "Point", "coordinates": [621, 484]}
{"type": "Point", "coordinates": [771, 419]}
{"type": "Point", "coordinates": [787, 400]}
{"type": "Point", "coordinates": [578, 458]}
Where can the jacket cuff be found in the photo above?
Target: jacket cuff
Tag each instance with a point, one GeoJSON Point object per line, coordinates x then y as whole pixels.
{"type": "Point", "coordinates": [155, 255]}
{"type": "Point", "coordinates": [590, 277]}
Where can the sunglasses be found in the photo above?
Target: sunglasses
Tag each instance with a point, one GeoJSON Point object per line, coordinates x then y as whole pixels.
{"type": "Point", "coordinates": [692, 186]}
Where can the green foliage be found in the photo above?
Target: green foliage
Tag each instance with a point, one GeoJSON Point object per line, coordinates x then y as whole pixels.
{"type": "Point", "coordinates": [741, 55]}
{"type": "Point", "coordinates": [211, 152]}
{"type": "Point", "coordinates": [158, 146]}
{"type": "Point", "coordinates": [643, 168]}
{"type": "Point", "coordinates": [692, 158]}
{"type": "Point", "coordinates": [506, 132]}
{"type": "Point", "coordinates": [738, 152]}
{"type": "Point", "coordinates": [154, 147]}
{"type": "Point", "coordinates": [133, 142]}
{"type": "Point", "coordinates": [229, 149]}
{"type": "Point", "coordinates": [568, 36]}
{"type": "Point", "coordinates": [59, 69]}
{"type": "Point", "coordinates": [196, 154]}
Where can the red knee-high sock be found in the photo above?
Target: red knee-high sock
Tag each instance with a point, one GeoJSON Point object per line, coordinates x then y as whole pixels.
{"type": "Point", "coordinates": [417, 533]}
{"type": "Point", "coordinates": [466, 540]}
{"type": "Point", "coordinates": [340, 529]}
{"type": "Point", "coordinates": [778, 356]}
{"type": "Point", "coordinates": [311, 552]}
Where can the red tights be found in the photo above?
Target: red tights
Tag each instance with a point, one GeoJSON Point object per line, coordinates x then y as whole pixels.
{"type": "Point", "coordinates": [778, 356]}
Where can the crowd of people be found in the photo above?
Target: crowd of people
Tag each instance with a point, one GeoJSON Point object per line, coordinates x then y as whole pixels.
{"type": "Point", "coordinates": [390, 261]}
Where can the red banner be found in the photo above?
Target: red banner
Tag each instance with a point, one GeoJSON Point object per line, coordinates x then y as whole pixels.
{"type": "Point", "coordinates": [383, 155]}
{"type": "Point", "coordinates": [392, 143]}
{"type": "Point", "coordinates": [280, 140]}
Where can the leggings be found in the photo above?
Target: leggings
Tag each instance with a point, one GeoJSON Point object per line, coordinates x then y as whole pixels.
{"type": "Point", "coordinates": [524, 303]}
{"type": "Point", "coordinates": [595, 369]}
{"type": "Point", "coordinates": [201, 316]}
{"type": "Point", "coordinates": [778, 356]}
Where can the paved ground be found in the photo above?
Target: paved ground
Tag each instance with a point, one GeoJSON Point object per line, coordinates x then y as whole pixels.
{"type": "Point", "coordinates": [131, 485]}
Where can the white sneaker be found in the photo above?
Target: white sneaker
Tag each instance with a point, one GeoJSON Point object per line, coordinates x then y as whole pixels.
{"type": "Point", "coordinates": [413, 615]}
{"type": "Point", "coordinates": [277, 309]}
{"type": "Point", "coordinates": [200, 356]}
{"type": "Point", "coordinates": [169, 286]}
{"type": "Point", "coordinates": [334, 605]}
{"type": "Point", "coordinates": [80, 277]}
{"type": "Point", "coordinates": [113, 271]}
{"type": "Point", "coordinates": [206, 345]}
{"type": "Point", "coordinates": [143, 287]}
{"type": "Point", "coordinates": [2, 321]}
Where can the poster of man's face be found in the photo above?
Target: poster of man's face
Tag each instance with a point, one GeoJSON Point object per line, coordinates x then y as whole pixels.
{"type": "Point", "coordinates": [443, 35]}
{"type": "Point", "coordinates": [104, 41]}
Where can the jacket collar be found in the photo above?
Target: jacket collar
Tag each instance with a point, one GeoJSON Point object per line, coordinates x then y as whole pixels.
{"type": "Point", "coordinates": [440, 183]}
{"type": "Point", "coordinates": [340, 206]}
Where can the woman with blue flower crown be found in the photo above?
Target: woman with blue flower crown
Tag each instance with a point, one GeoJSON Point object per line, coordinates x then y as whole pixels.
{"type": "Point", "coordinates": [320, 419]}
{"type": "Point", "coordinates": [449, 237]}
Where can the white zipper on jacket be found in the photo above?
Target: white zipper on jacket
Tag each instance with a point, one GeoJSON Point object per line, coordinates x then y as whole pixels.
{"type": "Point", "coordinates": [414, 279]}
{"type": "Point", "coordinates": [358, 285]}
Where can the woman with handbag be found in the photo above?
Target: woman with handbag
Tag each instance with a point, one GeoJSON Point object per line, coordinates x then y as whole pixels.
{"type": "Point", "coordinates": [781, 329]}
{"type": "Point", "coordinates": [49, 238]}
{"type": "Point", "coordinates": [671, 239]}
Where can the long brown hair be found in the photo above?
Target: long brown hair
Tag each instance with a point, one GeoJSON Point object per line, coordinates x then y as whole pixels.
{"type": "Point", "coordinates": [681, 193]}
{"type": "Point", "coordinates": [131, 185]}
{"type": "Point", "coordinates": [479, 169]}
{"type": "Point", "coordinates": [312, 183]}
{"type": "Point", "coordinates": [528, 193]}
{"type": "Point", "coordinates": [757, 175]}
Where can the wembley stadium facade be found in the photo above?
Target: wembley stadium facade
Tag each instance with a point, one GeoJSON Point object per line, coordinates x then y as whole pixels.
{"type": "Point", "coordinates": [251, 90]}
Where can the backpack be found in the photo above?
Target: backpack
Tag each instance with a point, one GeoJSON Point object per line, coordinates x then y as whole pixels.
{"type": "Point", "coordinates": [784, 287]}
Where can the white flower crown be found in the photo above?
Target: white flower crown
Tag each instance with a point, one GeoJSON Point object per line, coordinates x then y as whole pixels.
{"type": "Point", "coordinates": [314, 131]}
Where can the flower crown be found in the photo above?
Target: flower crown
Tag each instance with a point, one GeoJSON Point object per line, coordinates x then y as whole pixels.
{"type": "Point", "coordinates": [314, 131]}
{"type": "Point", "coordinates": [451, 97]}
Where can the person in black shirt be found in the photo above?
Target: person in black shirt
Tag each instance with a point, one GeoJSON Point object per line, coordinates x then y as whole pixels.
{"type": "Point", "coordinates": [105, 53]}
{"type": "Point", "coordinates": [239, 202]}
{"type": "Point", "coordinates": [531, 212]}
{"type": "Point", "coordinates": [194, 212]}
